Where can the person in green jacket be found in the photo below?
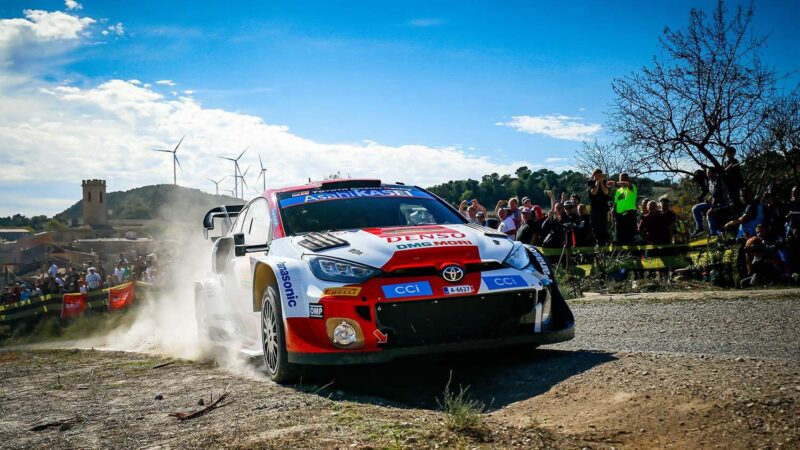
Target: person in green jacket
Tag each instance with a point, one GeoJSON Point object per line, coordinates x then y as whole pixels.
{"type": "Point", "coordinates": [625, 211]}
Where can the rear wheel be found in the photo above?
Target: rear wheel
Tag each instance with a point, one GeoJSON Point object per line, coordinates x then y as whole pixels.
{"type": "Point", "coordinates": [273, 340]}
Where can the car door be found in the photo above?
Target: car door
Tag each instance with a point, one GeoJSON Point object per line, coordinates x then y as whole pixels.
{"type": "Point", "coordinates": [256, 226]}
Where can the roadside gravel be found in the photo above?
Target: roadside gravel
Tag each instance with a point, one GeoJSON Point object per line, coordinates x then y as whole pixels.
{"type": "Point", "coordinates": [735, 323]}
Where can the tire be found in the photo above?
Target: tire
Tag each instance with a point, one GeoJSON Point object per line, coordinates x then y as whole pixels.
{"type": "Point", "coordinates": [273, 341]}
{"type": "Point", "coordinates": [200, 313]}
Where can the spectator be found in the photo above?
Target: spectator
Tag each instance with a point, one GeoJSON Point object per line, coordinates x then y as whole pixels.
{"type": "Point", "coordinates": [753, 215]}
{"type": "Point", "coordinates": [119, 274]}
{"type": "Point", "coordinates": [507, 224]}
{"type": "Point", "coordinates": [701, 179]}
{"type": "Point", "coordinates": [774, 222]}
{"type": "Point", "coordinates": [16, 293]}
{"type": "Point", "coordinates": [625, 210]}
{"type": "Point", "coordinates": [60, 285]}
{"type": "Point", "coordinates": [52, 270]}
{"type": "Point", "coordinates": [717, 209]}
{"type": "Point", "coordinates": [470, 209]}
{"type": "Point", "coordinates": [761, 262]}
{"type": "Point", "coordinates": [553, 228]}
{"type": "Point", "coordinates": [732, 176]}
{"type": "Point", "coordinates": [73, 277]}
{"type": "Point", "coordinates": [100, 268]}
{"type": "Point", "coordinates": [82, 288]}
{"type": "Point", "coordinates": [93, 280]}
{"type": "Point", "coordinates": [526, 203]}
{"type": "Point", "coordinates": [793, 211]}
{"type": "Point", "coordinates": [677, 226]}
{"type": "Point", "coordinates": [584, 237]}
{"type": "Point", "coordinates": [480, 218]}
{"type": "Point", "coordinates": [122, 260]}
{"type": "Point", "coordinates": [655, 226]}
{"type": "Point", "coordinates": [514, 212]}
{"type": "Point", "coordinates": [526, 230]}
{"type": "Point", "coordinates": [598, 201]}
{"type": "Point", "coordinates": [538, 219]}
{"type": "Point", "coordinates": [110, 281]}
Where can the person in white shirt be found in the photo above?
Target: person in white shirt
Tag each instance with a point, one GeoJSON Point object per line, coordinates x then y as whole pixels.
{"type": "Point", "coordinates": [119, 274]}
{"type": "Point", "coordinates": [53, 270]}
{"type": "Point", "coordinates": [93, 279]}
{"type": "Point", "coordinates": [507, 224]}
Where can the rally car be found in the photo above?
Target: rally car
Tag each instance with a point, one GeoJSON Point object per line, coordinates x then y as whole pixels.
{"type": "Point", "coordinates": [359, 271]}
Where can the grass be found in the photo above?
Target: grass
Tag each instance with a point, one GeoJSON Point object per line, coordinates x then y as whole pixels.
{"type": "Point", "coordinates": [462, 413]}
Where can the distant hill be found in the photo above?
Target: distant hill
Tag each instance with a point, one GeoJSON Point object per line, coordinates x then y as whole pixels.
{"type": "Point", "coordinates": [161, 201]}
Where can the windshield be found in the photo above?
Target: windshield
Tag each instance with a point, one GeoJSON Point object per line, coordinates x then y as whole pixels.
{"type": "Point", "coordinates": [347, 209]}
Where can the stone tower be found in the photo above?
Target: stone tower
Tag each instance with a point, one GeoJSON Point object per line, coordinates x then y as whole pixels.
{"type": "Point", "coordinates": [95, 209]}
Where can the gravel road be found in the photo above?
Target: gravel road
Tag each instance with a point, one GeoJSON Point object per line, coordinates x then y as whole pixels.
{"type": "Point", "coordinates": [733, 323]}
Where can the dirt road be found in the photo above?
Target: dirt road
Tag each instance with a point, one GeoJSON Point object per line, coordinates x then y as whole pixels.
{"type": "Point", "coordinates": [692, 370]}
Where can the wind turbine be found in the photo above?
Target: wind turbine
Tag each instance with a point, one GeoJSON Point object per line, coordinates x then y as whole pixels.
{"type": "Point", "coordinates": [216, 183]}
{"type": "Point", "coordinates": [261, 174]}
{"type": "Point", "coordinates": [236, 172]}
{"type": "Point", "coordinates": [174, 160]}
{"type": "Point", "coordinates": [244, 183]}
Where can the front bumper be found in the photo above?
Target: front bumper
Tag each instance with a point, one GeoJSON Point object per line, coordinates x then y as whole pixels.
{"type": "Point", "coordinates": [387, 354]}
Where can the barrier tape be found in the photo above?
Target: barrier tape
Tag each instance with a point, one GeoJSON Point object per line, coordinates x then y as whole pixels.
{"type": "Point", "coordinates": [556, 251]}
{"type": "Point", "coordinates": [52, 304]}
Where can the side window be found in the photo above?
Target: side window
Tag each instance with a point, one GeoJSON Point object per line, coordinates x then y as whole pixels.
{"type": "Point", "coordinates": [240, 219]}
{"type": "Point", "coordinates": [257, 225]}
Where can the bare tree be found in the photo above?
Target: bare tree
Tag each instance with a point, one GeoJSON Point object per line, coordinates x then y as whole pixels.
{"type": "Point", "coordinates": [782, 133]}
{"type": "Point", "coordinates": [611, 158]}
{"type": "Point", "coordinates": [707, 91]}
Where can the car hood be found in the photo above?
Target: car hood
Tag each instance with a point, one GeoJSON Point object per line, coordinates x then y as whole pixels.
{"type": "Point", "coordinates": [393, 248]}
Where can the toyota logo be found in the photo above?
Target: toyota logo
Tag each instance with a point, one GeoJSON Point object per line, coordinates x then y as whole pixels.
{"type": "Point", "coordinates": [452, 273]}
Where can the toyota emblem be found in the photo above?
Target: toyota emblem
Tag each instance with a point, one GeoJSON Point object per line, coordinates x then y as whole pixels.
{"type": "Point", "coordinates": [452, 273]}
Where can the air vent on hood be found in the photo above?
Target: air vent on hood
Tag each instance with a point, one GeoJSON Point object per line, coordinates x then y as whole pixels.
{"type": "Point", "coordinates": [486, 230]}
{"type": "Point", "coordinates": [321, 241]}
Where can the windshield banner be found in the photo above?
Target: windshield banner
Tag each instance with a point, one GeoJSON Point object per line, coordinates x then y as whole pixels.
{"type": "Point", "coordinates": [343, 194]}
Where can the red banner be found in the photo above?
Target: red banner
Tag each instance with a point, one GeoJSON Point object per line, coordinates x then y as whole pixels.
{"type": "Point", "coordinates": [121, 296]}
{"type": "Point", "coordinates": [73, 305]}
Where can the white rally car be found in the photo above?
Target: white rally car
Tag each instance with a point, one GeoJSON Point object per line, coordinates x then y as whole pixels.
{"type": "Point", "coordinates": [357, 271]}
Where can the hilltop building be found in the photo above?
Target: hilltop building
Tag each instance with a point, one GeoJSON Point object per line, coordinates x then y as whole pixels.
{"type": "Point", "coordinates": [95, 208]}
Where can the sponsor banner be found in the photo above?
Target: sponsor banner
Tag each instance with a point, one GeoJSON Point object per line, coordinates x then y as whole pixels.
{"type": "Point", "coordinates": [73, 305]}
{"type": "Point", "coordinates": [121, 296]}
{"type": "Point", "coordinates": [462, 289]}
{"type": "Point", "coordinates": [504, 282]}
{"type": "Point", "coordinates": [321, 196]}
{"type": "Point", "coordinates": [401, 290]}
{"type": "Point", "coordinates": [342, 291]}
{"type": "Point", "coordinates": [316, 311]}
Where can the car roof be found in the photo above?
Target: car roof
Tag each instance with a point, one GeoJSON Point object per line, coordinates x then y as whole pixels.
{"type": "Point", "coordinates": [342, 183]}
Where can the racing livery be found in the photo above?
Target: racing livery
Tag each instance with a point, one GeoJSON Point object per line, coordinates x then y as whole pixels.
{"type": "Point", "coordinates": [358, 271]}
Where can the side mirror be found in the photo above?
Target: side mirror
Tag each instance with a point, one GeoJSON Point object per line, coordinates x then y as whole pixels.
{"type": "Point", "coordinates": [238, 244]}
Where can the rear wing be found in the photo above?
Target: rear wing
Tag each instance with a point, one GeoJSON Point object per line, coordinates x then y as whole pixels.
{"type": "Point", "coordinates": [225, 212]}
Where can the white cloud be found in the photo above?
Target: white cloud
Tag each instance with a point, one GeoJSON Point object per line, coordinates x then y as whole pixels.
{"type": "Point", "coordinates": [188, 92]}
{"type": "Point", "coordinates": [554, 160]}
{"type": "Point", "coordinates": [424, 22]}
{"type": "Point", "coordinates": [556, 126]}
{"type": "Point", "coordinates": [72, 5]}
{"type": "Point", "coordinates": [117, 29]}
{"type": "Point", "coordinates": [135, 82]}
{"type": "Point", "coordinates": [165, 83]}
{"type": "Point", "coordinates": [39, 35]}
{"type": "Point", "coordinates": [107, 131]}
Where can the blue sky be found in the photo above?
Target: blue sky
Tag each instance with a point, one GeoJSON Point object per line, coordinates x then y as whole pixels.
{"type": "Point", "coordinates": [432, 74]}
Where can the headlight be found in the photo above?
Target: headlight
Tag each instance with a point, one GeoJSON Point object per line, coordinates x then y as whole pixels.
{"type": "Point", "coordinates": [329, 269]}
{"type": "Point", "coordinates": [518, 258]}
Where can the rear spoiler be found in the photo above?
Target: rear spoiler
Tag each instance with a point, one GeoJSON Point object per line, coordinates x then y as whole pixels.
{"type": "Point", "coordinates": [228, 212]}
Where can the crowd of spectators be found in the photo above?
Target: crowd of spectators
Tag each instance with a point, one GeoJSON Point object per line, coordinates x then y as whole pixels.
{"type": "Point", "coordinates": [88, 277]}
{"type": "Point", "coordinates": [766, 227]}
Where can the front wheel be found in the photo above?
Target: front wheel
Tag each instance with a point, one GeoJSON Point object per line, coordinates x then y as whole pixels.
{"type": "Point", "coordinates": [273, 340]}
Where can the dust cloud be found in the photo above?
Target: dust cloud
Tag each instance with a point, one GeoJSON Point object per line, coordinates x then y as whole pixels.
{"type": "Point", "coordinates": [164, 323]}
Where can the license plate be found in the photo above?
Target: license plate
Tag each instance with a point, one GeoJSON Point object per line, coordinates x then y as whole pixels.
{"type": "Point", "coordinates": [464, 289]}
